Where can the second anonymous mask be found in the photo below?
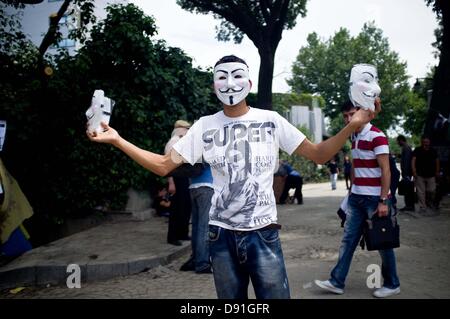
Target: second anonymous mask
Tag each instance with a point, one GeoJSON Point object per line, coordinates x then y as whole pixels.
{"type": "Point", "coordinates": [364, 86]}
{"type": "Point", "coordinates": [99, 111]}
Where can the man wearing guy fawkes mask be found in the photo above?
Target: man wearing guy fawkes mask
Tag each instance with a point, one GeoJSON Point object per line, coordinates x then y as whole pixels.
{"type": "Point", "coordinates": [243, 231]}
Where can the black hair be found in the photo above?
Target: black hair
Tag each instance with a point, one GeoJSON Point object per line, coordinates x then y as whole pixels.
{"type": "Point", "coordinates": [229, 59]}
{"type": "Point", "coordinates": [347, 106]}
{"type": "Point", "coordinates": [401, 138]}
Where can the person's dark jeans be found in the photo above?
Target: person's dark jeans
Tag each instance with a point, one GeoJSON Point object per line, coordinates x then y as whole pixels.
{"type": "Point", "coordinates": [181, 213]}
{"type": "Point", "coordinates": [292, 182]}
{"type": "Point", "coordinates": [393, 189]}
{"type": "Point", "coordinates": [238, 256]}
{"type": "Point", "coordinates": [201, 203]}
{"type": "Point", "coordinates": [348, 182]}
{"type": "Point", "coordinates": [410, 197]}
{"type": "Point", "coordinates": [407, 190]}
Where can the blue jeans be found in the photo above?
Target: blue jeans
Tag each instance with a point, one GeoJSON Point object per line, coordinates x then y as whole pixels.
{"type": "Point", "coordinates": [360, 208]}
{"type": "Point", "coordinates": [333, 179]}
{"type": "Point", "coordinates": [200, 205]}
{"type": "Point", "coordinates": [239, 256]}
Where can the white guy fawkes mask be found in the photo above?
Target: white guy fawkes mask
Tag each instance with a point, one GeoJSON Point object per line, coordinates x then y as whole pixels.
{"type": "Point", "coordinates": [99, 111]}
{"type": "Point", "coordinates": [231, 82]}
{"type": "Point", "coordinates": [364, 86]}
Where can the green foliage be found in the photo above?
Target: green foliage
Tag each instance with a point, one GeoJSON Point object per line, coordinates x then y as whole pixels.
{"type": "Point", "coordinates": [415, 114]}
{"type": "Point", "coordinates": [251, 99]}
{"type": "Point", "coordinates": [14, 3]}
{"type": "Point", "coordinates": [14, 46]}
{"type": "Point", "coordinates": [46, 145]}
{"type": "Point", "coordinates": [417, 105]}
{"type": "Point", "coordinates": [324, 67]}
{"type": "Point", "coordinates": [86, 16]}
{"type": "Point", "coordinates": [394, 148]}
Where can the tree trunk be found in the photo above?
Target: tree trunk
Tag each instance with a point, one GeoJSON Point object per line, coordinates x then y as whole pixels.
{"type": "Point", "coordinates": [267, 56]}
{"type": "Point", "coordinates": [439, 104]}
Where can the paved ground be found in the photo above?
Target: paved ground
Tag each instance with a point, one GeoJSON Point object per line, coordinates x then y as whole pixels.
{"type": "Point", "coordinates": [310, 237]}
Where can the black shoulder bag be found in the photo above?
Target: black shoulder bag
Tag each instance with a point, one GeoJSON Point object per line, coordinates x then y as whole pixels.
{"type": "Point", "coordinates": [381, 233]}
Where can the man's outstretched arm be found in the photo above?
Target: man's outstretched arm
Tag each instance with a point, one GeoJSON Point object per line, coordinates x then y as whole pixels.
{"type": "Point", "coordinates": [156, 163]}
{"type": "Point", "coordinates": [324, 151]}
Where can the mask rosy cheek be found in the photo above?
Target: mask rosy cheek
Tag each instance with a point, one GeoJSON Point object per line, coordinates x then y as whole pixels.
{"type": "Point", "coordinates": [241, 82]}
{"type": "Point", "coordinates": [218, 85]}
{"type": "Point", "coordinates": [362, 86]}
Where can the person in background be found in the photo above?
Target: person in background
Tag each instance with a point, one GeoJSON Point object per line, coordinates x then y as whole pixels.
{"type": "Point", "coordinates": [406, 171]}
{"type": "Point", "coordinates": [163, 205]}
{"type": "Point", "coordinates": [425, 169]}
{"type": "Point", "coordinates": [334, 171]}
{"type": "Point", "coordinates": [201, 190]}
{"type": "Point", "coordinates": [179, 189]}
{"type": "Point", "coordinates": [293, 180]}
{"type": "Point", "coordinates": [395, 177]}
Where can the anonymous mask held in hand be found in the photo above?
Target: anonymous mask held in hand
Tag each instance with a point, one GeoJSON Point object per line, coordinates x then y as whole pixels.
{"type": "Point", "coordinates": [231, 82]}
{"type": "Point", "coordinates": [364, 88]}
{"type": "Point", "coordinates": [99, 111]}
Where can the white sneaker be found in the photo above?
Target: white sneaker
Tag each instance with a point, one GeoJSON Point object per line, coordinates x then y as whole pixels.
{"type": "Point", "coordinates": [327, 285]}
{"type": "Point", "coordinates": [384, 292]}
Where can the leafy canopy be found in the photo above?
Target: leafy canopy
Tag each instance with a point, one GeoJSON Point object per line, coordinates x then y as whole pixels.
{"type": "Point", "coordinates": [153, 86]}
{"type": "Point", "coordinates": [323, 66]}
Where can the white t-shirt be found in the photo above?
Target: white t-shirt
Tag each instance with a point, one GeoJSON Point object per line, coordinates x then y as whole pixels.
{"type": "Point", "coordinates": [243, 154]}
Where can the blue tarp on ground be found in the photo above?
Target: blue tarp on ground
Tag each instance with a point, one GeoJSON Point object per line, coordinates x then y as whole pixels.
{"type": "Point", "coordinates": [16, 244]}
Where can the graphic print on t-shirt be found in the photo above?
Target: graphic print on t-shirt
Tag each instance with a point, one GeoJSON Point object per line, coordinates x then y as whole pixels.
{"type": "Point", "coordinates": [235, 202]}
{"type": "Point", "coordinates": [243, 155]}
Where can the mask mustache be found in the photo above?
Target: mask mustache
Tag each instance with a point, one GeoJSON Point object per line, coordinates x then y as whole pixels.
{"type": "Point", "coordinates": [231, 90]}
{"type": "Point", "coordinates": [369, 95]}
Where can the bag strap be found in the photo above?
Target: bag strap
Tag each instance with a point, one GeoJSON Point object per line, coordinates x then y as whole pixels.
{"type": "Point", "coordinates": [362, 243]}
{"type": "Point", "coordinates": [366, 226]}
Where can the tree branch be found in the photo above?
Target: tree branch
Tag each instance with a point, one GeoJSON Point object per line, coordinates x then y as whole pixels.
{"type": "Point", "coordinates": [277, 7]}
{"type": "Point", "coordinates": [50, 36]}
{"type": "Point", "coordinates": [235, 14]}
{"type": "Point", "coordinates": [279, 23]}
{"type": "Point", "coordinates": [265, 9]}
